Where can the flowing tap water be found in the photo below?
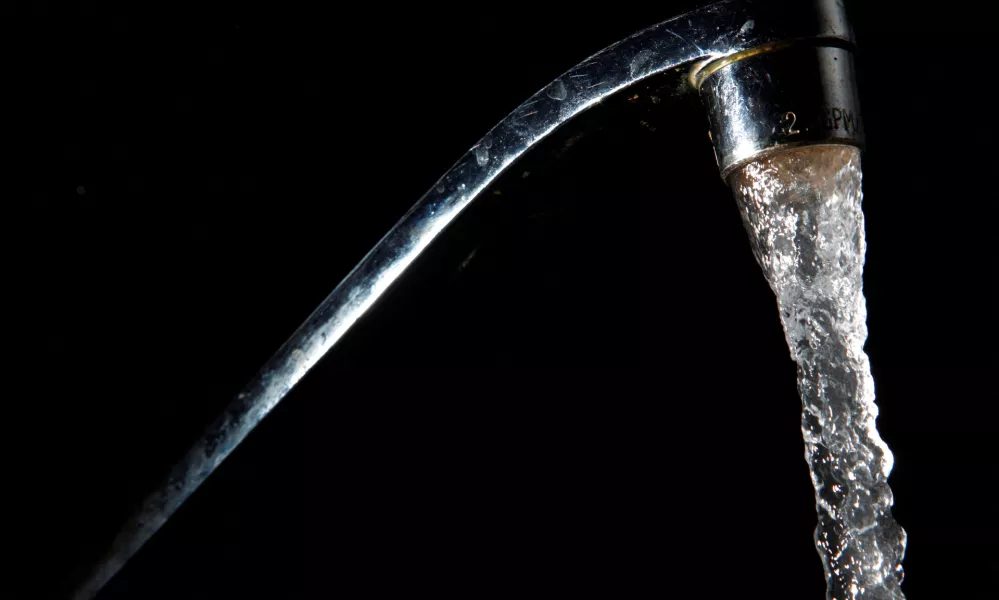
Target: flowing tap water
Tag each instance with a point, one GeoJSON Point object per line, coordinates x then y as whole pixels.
{"type": "Point", "coordinates": [802, 209]}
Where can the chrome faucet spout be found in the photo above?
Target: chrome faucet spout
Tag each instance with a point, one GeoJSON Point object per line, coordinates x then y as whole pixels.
{"type": "Point", "coordinates": [771, 75]}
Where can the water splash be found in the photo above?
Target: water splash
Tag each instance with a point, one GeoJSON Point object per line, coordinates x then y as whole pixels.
{"type": "Point", "coordinates": [802, 209]}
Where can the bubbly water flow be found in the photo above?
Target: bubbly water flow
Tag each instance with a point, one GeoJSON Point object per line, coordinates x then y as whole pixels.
{"type": "Point", "coordinates": [802, 209]}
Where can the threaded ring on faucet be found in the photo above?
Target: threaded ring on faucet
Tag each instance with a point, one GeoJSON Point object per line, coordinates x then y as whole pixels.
{"type": "Point", "coordinates": [706, 68]}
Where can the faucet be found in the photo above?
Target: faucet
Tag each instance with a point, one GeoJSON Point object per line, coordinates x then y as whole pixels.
{"type": "Point", "coordinates": [772, 76]}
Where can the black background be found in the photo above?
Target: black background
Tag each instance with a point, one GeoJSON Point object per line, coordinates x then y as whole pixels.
{"type": "Point", "coordinates": [597, 403]}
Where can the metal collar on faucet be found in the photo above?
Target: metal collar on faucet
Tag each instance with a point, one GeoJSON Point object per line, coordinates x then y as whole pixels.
{"type": "Point", "coordinates": [772, 75]}
{"type": "Point", "coordinates": [779, 96]}
{"type": "Point", "coordinates": [783, 93]}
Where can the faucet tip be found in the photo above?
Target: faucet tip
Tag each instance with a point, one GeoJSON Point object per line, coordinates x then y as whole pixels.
{"type": "Point", "coordinates": [781, 95]}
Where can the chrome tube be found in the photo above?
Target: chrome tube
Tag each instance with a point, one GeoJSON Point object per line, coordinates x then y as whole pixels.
{"type": "Point", "coordinates": [728, 30]}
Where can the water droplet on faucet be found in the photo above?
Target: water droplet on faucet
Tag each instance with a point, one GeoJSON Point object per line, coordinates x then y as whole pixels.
{"type": "Point", "coordinates": [556, 90]}
{"type": "Point", "coordinates": [640, 60]}
{"type": "Point", "coordinates": [482, 155]}
{"type": "Point", "coordinates": [482, 150]}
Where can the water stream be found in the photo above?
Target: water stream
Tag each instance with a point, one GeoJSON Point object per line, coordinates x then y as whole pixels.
{"type": "Point", "coordinates": [802, 209]}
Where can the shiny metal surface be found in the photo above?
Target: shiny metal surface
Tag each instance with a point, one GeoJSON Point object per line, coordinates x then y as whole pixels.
{"type": "Point", "coordinates": [709, 33]}
{"type": "Point", "coordinates": [791, 96]}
